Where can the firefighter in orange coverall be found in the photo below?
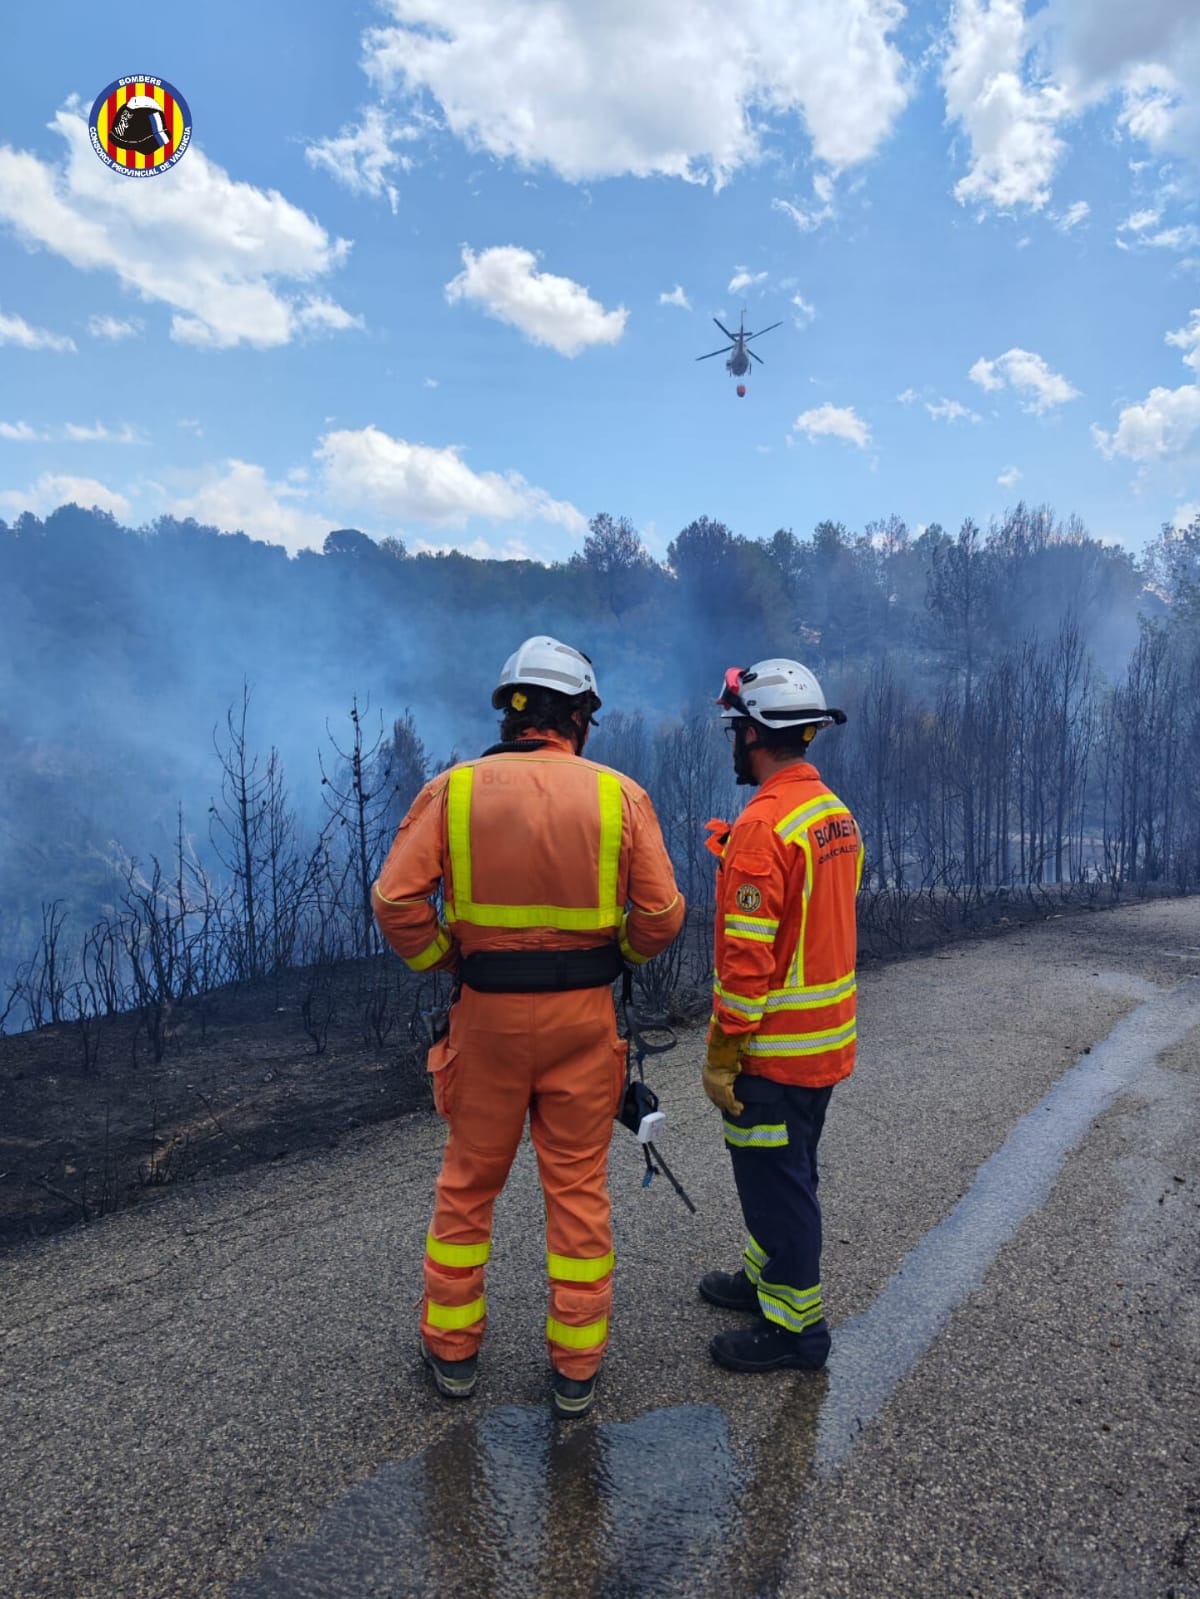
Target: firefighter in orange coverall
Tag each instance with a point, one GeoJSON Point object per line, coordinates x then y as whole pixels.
{"type": "Point", "coordinates": [783, 1023]}
{"type": "Point", "coordinates": [553, 871]}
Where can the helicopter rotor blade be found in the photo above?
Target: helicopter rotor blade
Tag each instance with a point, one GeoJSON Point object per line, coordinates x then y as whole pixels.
{"type": "Point", "coordinates": [757, 358]}
{"type": "Point", "coordinates": [761, 331]}
{"type": "Point", "coordinates": [711, 353]}
{"type": "Point", "coordinates": [733, 337]}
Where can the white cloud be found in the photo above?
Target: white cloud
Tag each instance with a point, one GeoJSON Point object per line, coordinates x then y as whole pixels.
{"type": "Point", "coordinates": [1028, 375]}
{"type": "Point", "coordinates": [213, 250]}
{"type": "Point", "coordinates": [1010, 123]}
{"type": "Point", "coordinates": [806, 221]}
{"type": "Point", "coordinates": [676, 297]}
{"type": "Point", "coordinates": [98, 433]}
{"type": "Point", "coordinates": [1164, 424]}
{"type": "Point", "coordinates": [1014, 80]}
{"type": "Point", "coordinates": [1185, 236]}
{"type": "Point", "coordinates": [951, 411]}
{"type": "Point", "coordinates": [1140, 221]}
{"type": "Point", "coordinates": [678, 87]}
{"type": "Point", "coordinates": [1188, 340]}
{"type": "Point", "coordinates": [742, 279]}
{"type": "Point", "coordinates": [240, 498]}
{"type": "Point", "coordinates": [839, 422]}
{"type": "Point", "coordinates": [53, 489]}
{"type": "Point", "coordinates": [362, 157]}
{"type": "Point", "coordinates": [20, 433]}
{"type": "Point", "coordinates": [804, 312]}
{"type": "Point", "coordinates": [111, 327]}
{"type": "Point", "coordinates": [1185, 515]}
{"type": "Point", "coordinates": [398, 479]}
{"type": "Point", "coordinates": [15, 330]}
{"type": "Point", "coordinates": [1072, 216]}
{"type": "Point", "coordinates": [908, 397]}
{"type": "Point", "coordinates": [547, 309]}
{"type": "Point", "coordinates": [1009, 478]}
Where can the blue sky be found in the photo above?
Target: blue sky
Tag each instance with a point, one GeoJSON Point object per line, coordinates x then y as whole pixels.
{"type": "Point", "coordinates": [440, 269]}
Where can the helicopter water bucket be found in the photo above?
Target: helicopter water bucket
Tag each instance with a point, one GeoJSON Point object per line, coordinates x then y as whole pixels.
{"type": "Point", "coordinates": [741, 391]}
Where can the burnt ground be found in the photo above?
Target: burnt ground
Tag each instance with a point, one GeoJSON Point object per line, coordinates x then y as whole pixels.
{"type": "Point", "coordinates": [91, 1122]}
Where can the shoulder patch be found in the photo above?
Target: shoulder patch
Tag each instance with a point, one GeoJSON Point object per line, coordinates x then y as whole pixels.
{"type": "Point", "coordinates": [748, 897]}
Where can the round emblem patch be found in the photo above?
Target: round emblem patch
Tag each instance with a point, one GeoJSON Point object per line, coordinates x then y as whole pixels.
{"type": "Point", "coordinates": [748, 897]}
{"type": "Point", "coordinates": [140, 126]}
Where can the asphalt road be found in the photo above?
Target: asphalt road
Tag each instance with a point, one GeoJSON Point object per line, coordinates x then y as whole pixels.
{"type": "Point", "coordinates": [221, 1395]}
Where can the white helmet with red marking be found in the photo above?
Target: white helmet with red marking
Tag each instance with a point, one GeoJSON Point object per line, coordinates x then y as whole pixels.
{"type": "Point", "coordinates": [776, 693]}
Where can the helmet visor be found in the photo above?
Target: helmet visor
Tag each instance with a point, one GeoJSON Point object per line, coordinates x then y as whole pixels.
{"type": "Point", "coordinates": [730, 697]}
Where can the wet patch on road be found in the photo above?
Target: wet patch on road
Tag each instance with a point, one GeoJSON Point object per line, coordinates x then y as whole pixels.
{"type": "Point", "coordinates": [513, 1503]}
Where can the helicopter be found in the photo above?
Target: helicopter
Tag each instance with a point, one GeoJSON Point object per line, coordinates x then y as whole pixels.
{"type": "Point", "coordinates": [738, 363]}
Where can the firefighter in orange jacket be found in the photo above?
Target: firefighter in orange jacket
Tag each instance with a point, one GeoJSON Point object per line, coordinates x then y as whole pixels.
{"type": "Point", "coordinates": [553, 871]}
{"type": "Point", "coordinates": [783, 1023]}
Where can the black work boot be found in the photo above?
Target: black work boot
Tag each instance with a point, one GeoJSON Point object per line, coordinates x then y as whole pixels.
{"type": "Point", "coordinates": [732, 1290]}
{"type": "Point", "coordinates": [769, 1347]}
{"type": "Point", "coordinates": [572, 1396]}
{"type": "Point", "coordinates": [455, 1379]}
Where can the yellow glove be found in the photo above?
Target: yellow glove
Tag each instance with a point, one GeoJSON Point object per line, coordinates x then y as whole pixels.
{"type": "Point", "coordinates": [721, 1070]}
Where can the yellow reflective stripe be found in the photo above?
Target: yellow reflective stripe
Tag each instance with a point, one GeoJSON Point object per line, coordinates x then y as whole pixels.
{"type": "Point", "coordinates": [626, 947]}
{"type": "Point", "coordinates": [769, 1135]}
{"type": "Point", "coordinates": [753, 938]}
{"type": "Point", "coordinates": [798, 1299]}
{"type": "Point", "coordinates": [457, 1254]}
{"type": "Point", "coordinates": [862, 854]}
{"type": "Point", "coordinates": [608, 795]}
{"type": "Point", "coordinates": [458, 833]}
{"type": "Point", "coordinates": [796, 821]}
{"type": "Point", "coordinates": [754, 1250]}
{"type": "Point", "coordinates": [751, 1009]}
{"type": "Point", "coordinates": [735, 919]}
{"type": "Point", "coordinates": [780, 1312]}
{"type": "Point", "coordinates": [578, 1269]}
{"type": "Point", "coordinates": [801, 1043]}
{"type": "Point", "coordinates": [453, 1318]}
{"type": "Point", "coordinates": [431, 954]}
{"type": "Point", "coordinates": [568, 918]}
{"type": "Point", "coordinates": [810, 998]}
{"type": "Point", "coordinates": [558, 1332]}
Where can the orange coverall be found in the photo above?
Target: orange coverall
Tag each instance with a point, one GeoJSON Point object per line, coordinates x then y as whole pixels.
{"type": "Point", "coordinates": [534, 850]}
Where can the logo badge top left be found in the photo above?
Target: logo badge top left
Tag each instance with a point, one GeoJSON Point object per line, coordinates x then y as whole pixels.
{"type": "Point", "coordinates": [140, 126]}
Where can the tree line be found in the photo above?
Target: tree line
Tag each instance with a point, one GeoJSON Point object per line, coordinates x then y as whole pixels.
{"type": "Point", "coordinates": [1024, 716]}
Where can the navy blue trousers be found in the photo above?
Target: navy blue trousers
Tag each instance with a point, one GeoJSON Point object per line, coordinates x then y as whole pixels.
{"type": "Point", "coordinates": [773, 1144]}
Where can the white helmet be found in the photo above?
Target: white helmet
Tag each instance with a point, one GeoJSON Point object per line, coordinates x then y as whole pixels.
{"type": "Point", "coordinates": [777, 693]}
{"type": "Point", "coordinates": [543, 662]}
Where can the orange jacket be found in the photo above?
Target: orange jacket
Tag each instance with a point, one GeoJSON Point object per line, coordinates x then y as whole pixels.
{"type": "Point", "coordinates": [533, 850]}
{"type": "Point", "coordinates": [786, 937]}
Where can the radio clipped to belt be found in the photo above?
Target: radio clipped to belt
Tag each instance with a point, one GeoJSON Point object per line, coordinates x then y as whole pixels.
{"type": "Point", "coordinates": [639, 1106]}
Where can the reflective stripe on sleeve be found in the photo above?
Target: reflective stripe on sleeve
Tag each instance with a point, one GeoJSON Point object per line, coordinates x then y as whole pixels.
{"type": "Point", "coordinates": [578, 1269]}
{"type": "Point", "coordinates": [445, 1254]}
{"type": "Point", "coordinates": [431, 954]}
{"type": "Point", "coordinates": [761, 929]}
{"type": "Point", "coordinates": [588, 1337]}
{"type": "Point", "coordinates": [743, 1004]}
{"type": "Point", "coordinates": [453, 1318]}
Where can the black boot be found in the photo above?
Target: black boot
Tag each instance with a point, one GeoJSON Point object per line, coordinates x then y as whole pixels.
{"type": "Point", "coordinates": [455, 1379]}
{"type": "Point", "coordinates": [572, 1396]}
{"type": "Point", "coordinates": [732, 1290]}
{"type": "Point", "coordinates": [769, 1347]}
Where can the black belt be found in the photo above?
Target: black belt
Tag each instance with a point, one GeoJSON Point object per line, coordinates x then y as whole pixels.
{"type": "Point", "coordinates": [540, 971]}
